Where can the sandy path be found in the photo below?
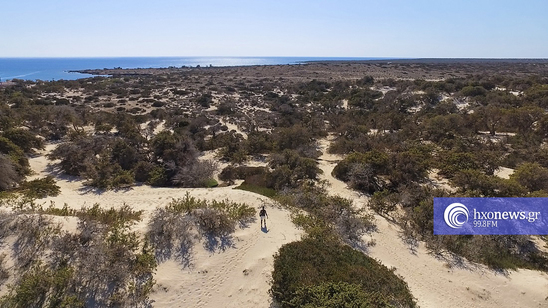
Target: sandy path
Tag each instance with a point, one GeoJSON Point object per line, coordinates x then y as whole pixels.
{"type": "Point", "coordinates": [239, 276]}
{"type": "Point", "coordinates": [431, 280]}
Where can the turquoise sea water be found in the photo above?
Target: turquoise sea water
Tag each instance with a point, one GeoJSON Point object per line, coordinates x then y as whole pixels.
{"type": "Point", "coordinates": [57, 68]}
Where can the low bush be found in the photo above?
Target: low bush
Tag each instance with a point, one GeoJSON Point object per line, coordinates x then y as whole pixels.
{"type": "Point", "coordinates": [328, 214]}
{"type": "Point", "coordinates": [384, 202]}
{"type": "Point", "coordinates": [24, 139]}
{"type": "Point", "coordinates": [40, 188]}
{"type": "Point", "coordinates": [213, 222]}
{"type": "Point", "coordinates": [110, 217]}
{"type": "Point", "coordinates": [261, 190]}
{"type": "Point", "coordinates": [197, 174]}
{"type": "Point", "coordinates": [304, 271]}
{"type": "Point", "coordinates": [98, 265]}
{"type": "Point", "coordinates": [170, 234]}
{"type": "Point", "coordinates": [170, 228]}
{"type": "Point", "coordinates": [363, 169]}
{"type": "Point", "coordinates": [335, 294]}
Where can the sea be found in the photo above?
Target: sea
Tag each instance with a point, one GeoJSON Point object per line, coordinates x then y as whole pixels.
{"type": "Point", "coordinates": [48, 69]}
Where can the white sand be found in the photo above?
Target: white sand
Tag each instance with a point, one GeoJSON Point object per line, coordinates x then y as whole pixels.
{"type": "Point", "coordinates": [236, 277]}
{"type": "Point", "coordinates": [240, 275]}
{"type": "Point", "coordinates": [504, 172]}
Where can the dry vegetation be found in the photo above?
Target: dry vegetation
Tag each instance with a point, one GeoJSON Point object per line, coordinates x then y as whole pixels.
{"type": "Point", "coordinates": [393, 122]}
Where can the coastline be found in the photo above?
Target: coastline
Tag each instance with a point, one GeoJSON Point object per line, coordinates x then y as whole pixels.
{"type": "Point", "coordinates": [426, 69]}
{"type": "Point", "coordinates": [48, 69]}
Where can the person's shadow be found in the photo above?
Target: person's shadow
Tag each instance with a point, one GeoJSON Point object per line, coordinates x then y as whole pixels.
{"type": "Point", "coordinates": [264, 229]}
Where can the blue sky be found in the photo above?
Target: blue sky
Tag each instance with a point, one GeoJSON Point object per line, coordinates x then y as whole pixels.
{"type": "Point", "coordinates": [343, 28]}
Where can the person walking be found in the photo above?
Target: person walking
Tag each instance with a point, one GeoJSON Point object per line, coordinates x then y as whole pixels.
{"type": "Point", "coordinates": [263, 216]}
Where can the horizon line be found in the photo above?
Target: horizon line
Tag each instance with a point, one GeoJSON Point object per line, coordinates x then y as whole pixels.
{"type": "Point", "coordinates": [334, 57]}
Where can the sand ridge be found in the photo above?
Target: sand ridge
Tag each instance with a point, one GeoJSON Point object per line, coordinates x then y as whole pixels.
{"type": "Point", "coordinates": [441, 281]}
{"type": "Point", "coordinates": [239, 276]}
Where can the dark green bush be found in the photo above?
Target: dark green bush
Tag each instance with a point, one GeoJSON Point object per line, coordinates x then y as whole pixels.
{"type": "Point", "coordinates": [40, 188]}
{"type": "Point", "coordinates": [531, 175]}
{"type": "Point", "coordinates": [376, 159]}
{"type": "Point", "coordinates": [24, 139]}
{"type": "Point", "coordinates": [473, 91]}
{"type": "Point", "coordinates": [335, 294]}
{"type": "Point", "coordinates": [303, 271]}
{"type": "Point", "coordinates": [16, 155]}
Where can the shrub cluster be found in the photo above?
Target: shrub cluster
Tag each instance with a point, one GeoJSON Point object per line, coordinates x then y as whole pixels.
{"type": "Point", "coordinates": [40, 188]}
{"type": "Point", "coordinates": [168, 159]}
{"type": "Point", "coordinates": [318, 272]}
{"type": "Point", "coordinates": [103, 263]}
{"type": "Point", "coordinates": [498, 252]}
{"type": "Point", "coordinates": [171, 228]}
{"type": "Point", "coordinates": [320, 214]}
{"type": "Point", "coordinates": [286, 170]}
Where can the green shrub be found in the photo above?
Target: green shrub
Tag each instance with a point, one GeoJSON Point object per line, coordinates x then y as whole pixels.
{"type": "Point", "coordinates": [290, 169]}
{"type": "Point", "coordinates": [261, 190]}
{"type": "Point", "coordinates": [157, 177]}
{"type": "Point", "coordinates": [122, 178]}
{"type": "Point", "coordinates": [16, 155]}
{"type": "Point", "coordinates": [335, 294]}
{"type": "Point", "coordinates": [213, 222]}
{"type": "Point", "coordinates": [185, 205]}
{"type": "Point", "coordinates": [24, 139]}
{"type": "Point", "coordinates": [42, 286]}
{"type": "Point", "coordinates": [211, 183]}
{"type": "Point", "coordinates": [64, 211]}
{"type": "Point", "coordinates": [40, 188]}
{"type": "Point", "coordinates": [473, 91]}
{"type": "Point", "coordinates": [384, 202]}
{"type": "Point", "coordinates": [332, 215]}
{"type": "Point", "coordinates": [531, 175]}
{"type": "Point", "coordinates": [110, 217]}
{"type": "Point", "coordinates": [170, 228]}
{"type": "Point", "coordinates": [376, 159]}
{"type": "Point", "coordinates": [314, 226]}
{"type": "Point", "coordinates": [96, 265]}
{"type": "Point", "coordinates": [240, 212]}
{"type": "Point", "coordinates": [142, 171]}
{"type": "Point", "coordinates": [305, 270]}
{"type": "Point", "coordinates": [452, 162]}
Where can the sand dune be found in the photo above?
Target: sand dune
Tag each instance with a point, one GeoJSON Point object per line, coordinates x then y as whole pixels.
{"type": "Point", "coordinates": [438, 282]}
{"type": "Point", "coordinates": [238, 276]}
